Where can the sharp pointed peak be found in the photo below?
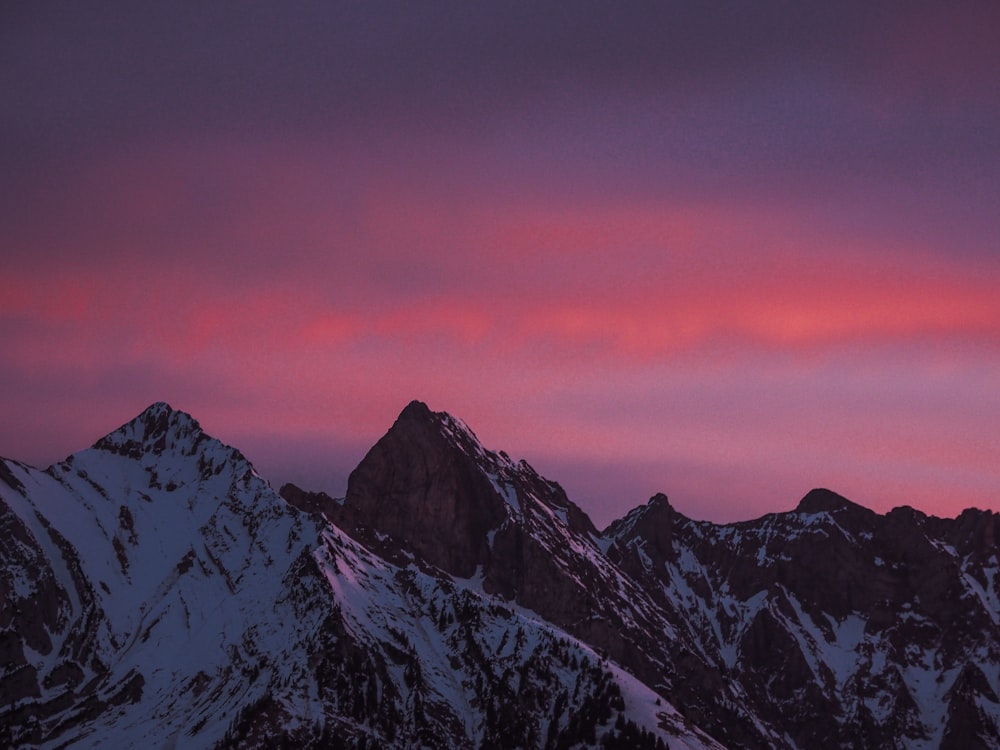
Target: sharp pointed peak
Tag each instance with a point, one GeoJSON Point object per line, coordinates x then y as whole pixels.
{"type": "Point", "coordinates": [419, 413]}
{"type": "Point", "coordinates": [154, 430]}
{"type": "Point", "coordinates": [452, 429]}
{"type": "Point", "coordinates": [416, 410]}
{"type": "Point", "coordinates": [161, 417]}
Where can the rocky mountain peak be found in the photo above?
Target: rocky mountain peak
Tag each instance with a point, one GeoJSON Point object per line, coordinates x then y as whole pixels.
{"type": "Point", "coordinates": [822, 500]}
{"type": "Point", "coordinates": [417, 417]}
{"type": "Point", "coordinates": [162, 430]}
{"type": "Point", "coordinates": [416, 410]}
{"type": "Point", "coordinates": [657, 513]}
{"type": "Point", "coordinates": [431, 486]}
{"type": "Point", "coordinates": [426, 485]}
{"type": "Point", "coordinates": [152, 431]}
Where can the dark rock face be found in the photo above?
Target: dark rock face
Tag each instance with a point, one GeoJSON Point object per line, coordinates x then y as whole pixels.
{"type": "Point", "coordinates": [432, 488]}
{"type": "Point", "coordinates": [8, 478]}
{"type": "Point", "coordinates": [822, 500]}
{"type": "Point", "coordinates": [429, 486]}
{"type": "Point", "coordinates": [314, 503]}
{"type": "Point", "coordinates": [420, 485]}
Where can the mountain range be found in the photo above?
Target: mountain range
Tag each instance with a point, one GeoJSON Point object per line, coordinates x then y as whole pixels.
{"type": "Point", "coordinates": [158, 593]}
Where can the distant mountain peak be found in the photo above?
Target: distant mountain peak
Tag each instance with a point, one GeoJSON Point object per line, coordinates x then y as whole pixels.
{"type": "Point", "coordinates": [822, 500]}
{"type": "Point", "coordinates": [657, 510]}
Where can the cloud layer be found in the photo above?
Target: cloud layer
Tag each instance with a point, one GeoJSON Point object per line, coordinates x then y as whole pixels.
{"type": "Point", "coordinates": [723, 255]}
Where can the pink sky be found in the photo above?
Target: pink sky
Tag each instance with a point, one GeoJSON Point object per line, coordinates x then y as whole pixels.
{"type": "Point", "coordinates": [750, 274]}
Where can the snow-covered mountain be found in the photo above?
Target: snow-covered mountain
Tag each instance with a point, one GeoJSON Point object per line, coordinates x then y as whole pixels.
{"type": "Point", "coordinates": [156, 592]}
{"type": "Point", "coordinates": [844, 628]}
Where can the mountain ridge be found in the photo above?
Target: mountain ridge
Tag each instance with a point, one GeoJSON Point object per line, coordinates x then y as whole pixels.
{"type": "Point", "coordinates": [454, 598]}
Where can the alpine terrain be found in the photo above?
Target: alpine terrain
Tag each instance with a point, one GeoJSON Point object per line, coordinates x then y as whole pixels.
{"type": "Point", "coordinates": [158, 593]}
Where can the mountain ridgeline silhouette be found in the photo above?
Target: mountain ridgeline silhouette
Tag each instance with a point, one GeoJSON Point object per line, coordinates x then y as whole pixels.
{"type": "Point", "coordinates": [158, 592]}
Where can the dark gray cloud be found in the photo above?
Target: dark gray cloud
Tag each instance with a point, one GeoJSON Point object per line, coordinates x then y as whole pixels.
{"type": "Point", "coordinates": [721, 93]}
{"type": "Point", "coordinates": [83, 72]}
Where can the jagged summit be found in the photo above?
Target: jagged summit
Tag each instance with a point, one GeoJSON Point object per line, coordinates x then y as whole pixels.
{"type": "Point", "coordinates": [151, 431]}
{"type": "Point", "coordinates": [418, 413]}
{"type": "Point", "coordinates": [659, 499]}
{"type": "Point", "coordinates": [161, 429]}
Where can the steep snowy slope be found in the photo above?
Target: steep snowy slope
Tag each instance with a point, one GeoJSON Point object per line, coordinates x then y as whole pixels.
{"type": "Point", "coordinates": [164, 555]}
{"type": "Point", "coordinates": [158, 593]}
{"type": "Point", "coordinates": [846, 628]}
{"type": "Point", "coordinates": [410, 659]}
{"type": "Point", "coordinates": [430, 488]}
